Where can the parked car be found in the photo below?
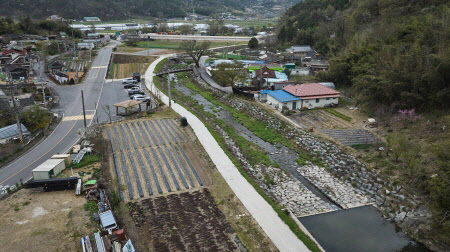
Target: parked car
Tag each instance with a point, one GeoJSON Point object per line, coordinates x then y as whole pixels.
{"type": "Point", "coordinates": [127, 81]}
{"type": "Point", "coordinates": [133, 88]}
{"type": "Point", "coordinates": [133, 92]}
{"type": "Point", "coordinates": [128, 86]}
{"type": "Point", "coordinates": [140, 97]}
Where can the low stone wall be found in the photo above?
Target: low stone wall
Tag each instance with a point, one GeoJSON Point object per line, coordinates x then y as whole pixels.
{"type": "Point", "coordinates": [393, 201]}
{"type": "Point", "coordinates": [407, 211]}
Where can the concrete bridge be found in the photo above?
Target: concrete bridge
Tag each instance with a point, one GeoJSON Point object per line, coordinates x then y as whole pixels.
{"type": "Point", "coordinates": [173, 70]}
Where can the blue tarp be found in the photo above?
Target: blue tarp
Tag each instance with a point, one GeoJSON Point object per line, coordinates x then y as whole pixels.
{"type": "Point", "coordinates": [280, 95]}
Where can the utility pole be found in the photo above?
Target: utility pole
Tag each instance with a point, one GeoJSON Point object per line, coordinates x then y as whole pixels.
{"type": "Point", "coordinates": [84, 111]}
{"type": "Point", "coordinates": [170, 99]}
{"type": "Point", "coordinates": [19, 125]}
{"type": "Point", "coordinates": [40, 80]}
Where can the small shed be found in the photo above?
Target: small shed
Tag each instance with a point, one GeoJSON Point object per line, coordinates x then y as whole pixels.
{"type": "Point", "coordinates": [107, 220]}
{"type": "Point", "coordinates": [127, 105]}
{"type": "Point", "coordinates": [49, 169]}
{"type": "Point", "coordinates": [67, 158]}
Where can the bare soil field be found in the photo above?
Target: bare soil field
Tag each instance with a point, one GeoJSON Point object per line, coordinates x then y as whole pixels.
{"type": "Point", "coordinates": [348, 132]}
{"type": "Point", "coordinates": [320, 119]}
{"type": "Point", "coordinates": [183, 222]}
{"type": "Point", "coordinates": [189, 214]}
{"type": "Point", "coordinates": [42, 221]}
{"type": "Point", "coordinates": [123, 66]}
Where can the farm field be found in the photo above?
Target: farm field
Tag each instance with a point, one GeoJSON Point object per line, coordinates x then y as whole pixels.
{"type": "Point", "coordinates": [341, 124]}
{"type": "Point", "coordinates": [173, 197]}
{"type": "Point", "coordinates": [154, 157]}
{"type": "Point", "coordinates": [320, 119]}
{"type": "Point", "coordinates": [123, 66]}
{"type": "Point", "coordinates": [175, 44]}
{"type": "Point", "coordinates": [189, 221]}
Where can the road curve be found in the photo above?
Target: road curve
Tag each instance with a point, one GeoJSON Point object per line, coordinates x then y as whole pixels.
{"type": "Point", "coordinates": [65, 134]}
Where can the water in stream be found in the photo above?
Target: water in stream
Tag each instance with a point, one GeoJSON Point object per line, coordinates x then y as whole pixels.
{"type": "Point", "coordinates": [357, 229]}
{"type": "Point", "coordinates": [279, 154]}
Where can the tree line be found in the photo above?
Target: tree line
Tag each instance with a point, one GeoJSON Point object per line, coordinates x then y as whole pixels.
{"type": "Point", "coordinates": [391, 54]}
{"type": "Point", "coordinates": [26, 25]}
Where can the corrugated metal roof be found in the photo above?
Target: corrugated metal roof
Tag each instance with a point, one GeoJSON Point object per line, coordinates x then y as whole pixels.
{"type": "Point", "coordinates": [99, 242]}
{"type": "Point", "coordinates": [12, 131]}
{"type": "Point", "coordinates": [305, 48]}
{"type": "Point", "coordinates": [107, 220]}
{"type": "Point", "coordinates": [48, 165]}
{"type": "Point", "coordinates": [282, 96]}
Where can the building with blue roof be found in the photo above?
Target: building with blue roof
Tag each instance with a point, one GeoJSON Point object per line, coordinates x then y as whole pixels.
{"type": "Point", "coordinates": [279, 98]}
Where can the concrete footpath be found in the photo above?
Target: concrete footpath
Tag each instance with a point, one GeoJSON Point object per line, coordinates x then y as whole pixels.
{"type": "Point", "coordinates": [280, 234]}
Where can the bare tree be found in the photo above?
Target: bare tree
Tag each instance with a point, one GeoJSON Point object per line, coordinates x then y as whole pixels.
{"type": "Point", "coordinates": [194, 49]}
{"type": "Point", "coordinates": [107, 110]}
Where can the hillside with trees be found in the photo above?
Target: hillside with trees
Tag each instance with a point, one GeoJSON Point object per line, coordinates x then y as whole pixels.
{"type": "Point", "coordinates": [25, 25]}
{"type": "Point", "coordinates": [391, 54]}
{"type": "Point", "coordinates": [117, 10]}
{"type": "Point", "coordinates": [393, 58]}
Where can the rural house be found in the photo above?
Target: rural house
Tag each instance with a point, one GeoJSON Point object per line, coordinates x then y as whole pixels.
{"type": "Point", "coordinates": [314, 95]}
{"type": "Point", "coordinates": [279, 99]}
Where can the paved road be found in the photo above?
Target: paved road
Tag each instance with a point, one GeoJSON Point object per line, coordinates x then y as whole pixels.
{"type": "Point", "coordinates": [66, 133]}
{"type": "Point", "coordinates": [280, 234]}
{"type": "Point", "coordinates": [210, 80]}
{"type": "Point", "coordinates": [199, 37]}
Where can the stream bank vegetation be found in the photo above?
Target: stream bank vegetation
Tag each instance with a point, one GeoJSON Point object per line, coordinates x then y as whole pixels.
{"type": "Point", "coordinates": [252, 152]}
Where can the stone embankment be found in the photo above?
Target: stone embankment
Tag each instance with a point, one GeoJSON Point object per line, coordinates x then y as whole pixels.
{"type": "Point", "coordinates": [392, 200]}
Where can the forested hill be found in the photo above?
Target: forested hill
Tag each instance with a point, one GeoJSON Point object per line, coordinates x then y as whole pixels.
{"type": "Point", "coordinates": [393, 54]}
{"type": "Point", "coordinates": [117, 9]}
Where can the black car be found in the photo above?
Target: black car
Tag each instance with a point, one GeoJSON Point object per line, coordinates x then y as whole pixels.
{"type": "Point", "coordinates": [128, 86]}
{"type": "Point", "coordinates": [133, 92]}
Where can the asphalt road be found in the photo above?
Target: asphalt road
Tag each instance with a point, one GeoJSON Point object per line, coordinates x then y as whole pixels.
{"type": "Point", "coordinates": [66, 133]}
{"type": "Point", "coordinates": [208, 78]}
{"type": "Point", "coordinates": [199, 37]}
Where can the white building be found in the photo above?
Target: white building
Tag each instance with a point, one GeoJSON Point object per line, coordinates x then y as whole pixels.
{"type": "Point", "coordinates": [49, 169]}
{"type": "Point", "coordinates": [314, 95]}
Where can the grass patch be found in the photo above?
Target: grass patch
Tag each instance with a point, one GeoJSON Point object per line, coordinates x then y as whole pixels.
{"type": "Point", "coordinates": [338, 114]}
{"type": "Point", "coordinates": [361, 146]}
{"type": "Point", "coordinates": [253, 155]}
{"type": "Point", "coordinates": [89, 159]}
{"type": "Point", "coordinates": [112, 68]}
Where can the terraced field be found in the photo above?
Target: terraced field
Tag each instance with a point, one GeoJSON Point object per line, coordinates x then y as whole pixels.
{"type": "Point", "coordinates": [153, 157]}
{"type": "Point", "coordinates": [320, 119]}
{"type": "Point", "coordinates": [353, 137]}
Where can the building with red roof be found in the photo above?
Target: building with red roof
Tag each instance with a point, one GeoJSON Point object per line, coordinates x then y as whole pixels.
{"type": "Point", "coordinates": [314, 95]}
{"type": "Point", "coordinates": [265, 72]}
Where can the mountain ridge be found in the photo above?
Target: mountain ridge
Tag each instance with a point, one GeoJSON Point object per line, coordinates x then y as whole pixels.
{"type": "Point", "coordinates": [117, 10]}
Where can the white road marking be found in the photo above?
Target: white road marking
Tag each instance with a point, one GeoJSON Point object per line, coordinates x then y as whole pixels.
{"type": "Point", "coordinates": [75, 118]}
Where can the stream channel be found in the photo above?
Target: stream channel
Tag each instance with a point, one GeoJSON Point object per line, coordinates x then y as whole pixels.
{"type": "Point", "coordinates": [337, 230]}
